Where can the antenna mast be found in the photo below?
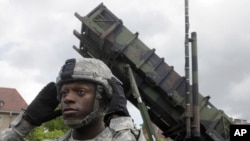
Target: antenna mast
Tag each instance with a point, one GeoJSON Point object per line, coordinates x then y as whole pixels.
{"type": "Point", "coordinates": [192, 113]}
{"type": "Point", "coordinates": [188, 113]}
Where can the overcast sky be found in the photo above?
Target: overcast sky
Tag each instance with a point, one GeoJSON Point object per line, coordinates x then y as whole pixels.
{"type": "Point", "coordinates": [37, 36]}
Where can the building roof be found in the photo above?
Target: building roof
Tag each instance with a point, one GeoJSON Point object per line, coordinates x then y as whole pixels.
{"type": "Point", "coordinates": [11, 100]}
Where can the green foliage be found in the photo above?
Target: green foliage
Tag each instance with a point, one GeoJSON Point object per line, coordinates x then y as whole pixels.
{"type": "Point", "coordinates": [158, 139]}
{"type": "Point", "coordinates": [49, 130]}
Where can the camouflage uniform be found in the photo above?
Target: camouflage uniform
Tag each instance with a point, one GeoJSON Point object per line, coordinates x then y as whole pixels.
{"type": "Point", "coordinates": [10, 135]}
{"type": "Point", "coordinates": [19, 129]}
{"type": "Point", "coordinates": [120, 129]}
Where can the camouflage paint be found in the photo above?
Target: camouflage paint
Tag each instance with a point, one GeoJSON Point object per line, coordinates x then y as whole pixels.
{"type": "Point", "coordinates": [162, 89]}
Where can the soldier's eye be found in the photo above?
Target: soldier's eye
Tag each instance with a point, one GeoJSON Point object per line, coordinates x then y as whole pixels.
{"type": "Point", "coordinates": [81, 92]}
{"type": "Point", "coordinates": [63, 94]}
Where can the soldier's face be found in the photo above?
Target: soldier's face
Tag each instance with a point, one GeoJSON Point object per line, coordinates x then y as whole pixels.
{"type": "Point", "coordinates": [77, 99]}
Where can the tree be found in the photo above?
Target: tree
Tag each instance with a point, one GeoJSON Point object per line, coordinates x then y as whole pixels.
{"type": "Point", "coordinates": [49, 130]}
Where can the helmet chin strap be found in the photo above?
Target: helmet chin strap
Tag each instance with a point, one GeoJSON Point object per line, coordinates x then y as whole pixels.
{"type": "Point", "coordinates": [77, 123]}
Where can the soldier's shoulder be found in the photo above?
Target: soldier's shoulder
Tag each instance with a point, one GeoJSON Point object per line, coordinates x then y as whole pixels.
{"type": "Point", "coordinates": [125, 129]}
{"type": "Point", "coordinates": [121, 123]}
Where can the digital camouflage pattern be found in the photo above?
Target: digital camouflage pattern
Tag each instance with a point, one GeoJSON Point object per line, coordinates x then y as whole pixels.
{"type": "Point", "coordinates": [121, 129]}
{"type": "Point", "coordinates": [10, 135]}
{"type": "Point", "coordinates": [90, 69]}
{"type": "Point", "coordinates": [19, 129]}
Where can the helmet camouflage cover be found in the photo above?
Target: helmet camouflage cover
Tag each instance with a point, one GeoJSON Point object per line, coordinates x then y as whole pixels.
{"type": "Point", "coordinates": [88, 69]}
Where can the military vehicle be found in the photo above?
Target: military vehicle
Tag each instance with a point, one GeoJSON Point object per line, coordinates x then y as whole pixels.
{"type": "Point", "coordinates": [162, 91]}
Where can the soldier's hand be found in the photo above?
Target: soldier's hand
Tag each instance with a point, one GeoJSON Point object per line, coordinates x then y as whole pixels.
{"type": "Point", "coordinates": [118, 103]}
{"type": "Point", "coordinates": [42, 108]}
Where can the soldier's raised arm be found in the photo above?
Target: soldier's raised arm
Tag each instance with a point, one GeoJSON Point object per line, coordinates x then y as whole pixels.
{"type": "Point", "coordinates": [41, 109]}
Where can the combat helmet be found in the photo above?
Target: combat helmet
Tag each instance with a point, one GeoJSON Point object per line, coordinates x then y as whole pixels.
{"type": "Point", "coordinates": [89, 69]}
{"type": "Point", "coordinates": [86, 69]}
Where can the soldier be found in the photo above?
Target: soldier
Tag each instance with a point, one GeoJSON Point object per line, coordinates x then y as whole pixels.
{"type": "Point", "coordinates": [93, 105]}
